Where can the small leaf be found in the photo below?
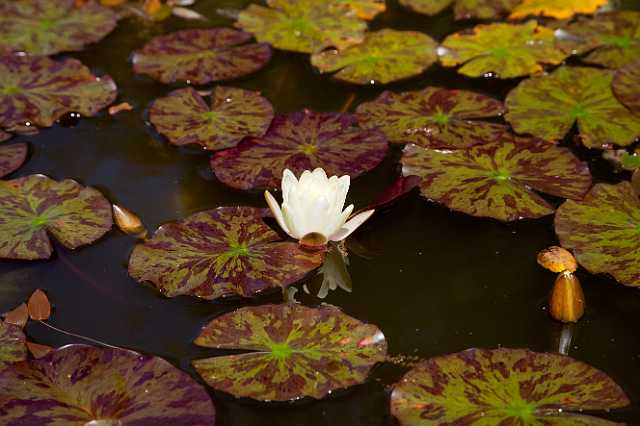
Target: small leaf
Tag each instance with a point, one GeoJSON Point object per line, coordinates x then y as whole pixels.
{"type": "Point", "coordinates": [559, 9]}
{"type": "Point", "coordinates": [566, 303]}
{"type": "Point", "coordinates": [124, 106]}
{"type": "Point", "coordinates": [38, 351]}
{"type": "Point", "coordinates": [557, 259]}
{"type": "Point", "coordinates": [127, 221]}
{"type": "Point", "coordinates": [39, 306]}
{"type": "Point", "coordinates": [18, 316]}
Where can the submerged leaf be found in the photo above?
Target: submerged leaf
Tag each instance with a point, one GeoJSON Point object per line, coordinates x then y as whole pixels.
{"type": "Point", "coordinates": [12, 157]}
{"type": "Point", "coordinates": [626, 86]}
{"type": "Point", "coordinates": [559, 9]}
{"type": "Point", "coordinates": [463, 9]}
{"type": "Point", "coordinates": [12, 346]}
{"type": "Point", "coordinates": [39, 306]}
{"type": "Point", "coordinates": [295, 352]}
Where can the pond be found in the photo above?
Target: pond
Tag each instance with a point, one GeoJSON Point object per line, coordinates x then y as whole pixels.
{"type": "Point", "coordinates": [434, 280]}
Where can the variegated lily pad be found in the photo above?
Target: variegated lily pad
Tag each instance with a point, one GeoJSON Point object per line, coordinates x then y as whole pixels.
{"type": "Point", "coordinates": [626, 86]}
{"type": "Point", "coordinates": [503, 50]}
{"type": "Point", "coordinates": [11, 157]}
{"type": "Point", "coordinates": [434, 117]}
{"type": "Point", "coordinates": [504, 387]}
{"type": "Point", "coordinates": [498, 179]}
{"type": "Point", "coordinates": [36, 91]}
{"type": "Point", "coordinates": [548, 106]}
{"type": "Point", "coordinates": [220, 252]}
{"type": "Point", "coordinates": [301, 141]}
{"type": "Point", "coordinates": [45, 27]}
{"type": "Point", "coordinates": [603, 231]}
{"type": "Point", "coordinates": [463, 9]}
{"type": "Point", "coordinates": [201, 56]}
{"type": "Point", "coordinates": [83, 385]}
{"type": "Point", "coordinates": [363, 9]}
{"type": "Point", "coordinates": [185, 118]}
{"type": "Point", "coordinates": [559, 9]}
{"type": "Point", "coordinates": [384, 56]}
{"type": "Point", "coordinates": [13, 346]}
{"type": "Point", "coordinates": [34, 206]}
{"type": "Point", "coordinates": [294, 352]}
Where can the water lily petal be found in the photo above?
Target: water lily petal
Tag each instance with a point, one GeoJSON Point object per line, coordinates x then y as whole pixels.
{"type": "Point", "coordinates": [277, 212]}
{"type": "Point", "coordinates": [351, 225]}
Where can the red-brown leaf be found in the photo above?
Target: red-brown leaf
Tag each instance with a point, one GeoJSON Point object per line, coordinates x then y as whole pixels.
{"type": "Point", "coordinates": [37, 350]}
{"type": "Point", "coordinates": [39, 306]}
{"type": "Point", "coordinates": [18, 316]}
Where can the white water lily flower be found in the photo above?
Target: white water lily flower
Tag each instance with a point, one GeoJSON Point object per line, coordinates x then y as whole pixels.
{"type": "Point", "coordinates": [312, 207]}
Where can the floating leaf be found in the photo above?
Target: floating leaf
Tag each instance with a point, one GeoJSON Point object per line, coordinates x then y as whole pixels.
{"type": "Point", "coordinates": [505, 387]}
{"type": "Point", "coordinates": [45, 27]}
{"type": "Point", "coordinates": [363, 9]}
{"type": "Point", "coordinates": [201, 56]}
{"type": "Point", "coordinates": [79, 384]}
{"type": "Point", "coordinates": [38, 351]}
{"type": "Point", "coordinates": [559, 9]}
{"type": "Point", "coordinates": [305, 26]}
{"type": "Point", "coordinates": [498, 179]}
{"type": "Point", "coordinates": [296, 352]}
{"type": "Point", "coordinates": [36, 91]}
{"type": "Point", "coordinates": [184, 117]}
{"type": "Point", "coordinates": [11, 157]}
{"type": "Point", "coordinates": [301, 141]}
{"type": "Point", "coordinates": [18, 316]}
{"type": "Point", "coordinates": [548, 106]}
{"type": "Point", "coordinates": [504, 50]}
{"type": "Point", "coordinates": [400, 187]}
{"type": "Point", "coordinates": [12, 345]}
{"type": "Point", "coordinates": [220, 252]}
{"type": "Point", "coordinates": [602, 231]}
{"type": "Point", "coordinates": [39, 306]}
{"type": "Point", "coordinates": [626, 86]}
{"type": "Point", "coordinates": [463, 9]}
{"type": "Point", "coordinates": [434, 117]}
{"type": "Point", "coordinates": [384, 56]}
{"type": "Point", "coordinates": [557, 259]}
{"type": "Point", "coordinates": [33, 206]}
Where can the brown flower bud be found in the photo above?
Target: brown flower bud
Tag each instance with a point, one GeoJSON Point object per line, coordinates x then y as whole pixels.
{"type": "Point", "coordinates": [127, 221]}
{"type": "Point", "coordinates": [557, 259]}
{"type": "Point", "coordinates": [566, 303]}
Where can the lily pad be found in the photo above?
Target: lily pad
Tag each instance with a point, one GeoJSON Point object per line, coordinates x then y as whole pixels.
{"type": "Point", "coordinates": [220, 252]}
{"type": "Point", "coordinates": [301, 141]}
{"type": "Point", "coordinates": [559, 9]}
{"type": "Point", "coordinates": [506, 387]}
{"type": "Point", "coordinates": [384, 56]}
{"type": "Point", "coordinates": [11, 157]}
{"type": "Point", "coordinates": [33, 206]}
{"type": "Point", "coordinates": [626, 86]}
{"type": "Point", "coordinates": [498, 179]}
{"type": "Point", "coordinates": [434, 117]}
{"type": "Point", "coordinates": [45, 27]}
{"type": "Point", "coordinates": [305, 26]}
{"type": "Point", "coordinates": [83, 385]}
{"type": "Point", "coordinates": [602, 231]}
{"type": "Point", "coordinates": [295, 352]}
{"type": "Point", "coordinates": [184, 117]}
{"type": "Point", "coordinates": [36, 91]}
{"type": "Point", "coordinates": [503, 50]}
{"type": "Point", "coordinates": [201, 56]}
{"type": "Point", "coordinates": [463, 9]}
{"type": "Point", "coordinates": [13, 347]}
{"type": "Point", "coordinates": [548, 106]}
{"type": "Point", "coordinates": [363, 9]}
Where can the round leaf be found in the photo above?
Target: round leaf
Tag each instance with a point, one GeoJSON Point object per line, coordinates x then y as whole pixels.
{"type": "Point", "coordinates": [463, 9]}
{"type": "Point", "coordinates": [626, 86]}
{"type": "Point", "coordinates": [301, 141]}
{"type": "Point", "coordinates": [220, 252]}
{"type": "Point", "coordinates": [184, 117]}
{"type": "Point", "coordinates": [363, 9]}
{"type": "Point", "coordinates": [33, 206]}
{"type": "Point", "coordinates": [506, 387]}
{"type": "Point", "coordinates": [548, 106]}
{"type": "Point", "coordinates": [434, 117]}
{"type": "Point", "coordinates": [201, 56]}
{"type": "Point", "coordinates": [78, 384]}
{"type": "Point", "coordinates": [559, 9]}
{"type": "Point", "coordinates": [498, 179]}
{"type": "Point", "coordinates": [295, 352]}
{"type": "Point", "coordinates": [13, 346]}
{"type": "Point", "coordinates": [384, 56]}
{"type": "Point", "coordinates": [11, 157]}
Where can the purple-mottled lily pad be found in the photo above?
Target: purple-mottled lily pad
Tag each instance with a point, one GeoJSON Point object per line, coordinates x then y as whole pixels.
{"type": "Point", "coordinates": [602, 231]}
{"type": "Point", "coordinates": [626, 86]}
{"type": "Point", "coordinates": [548, 106]}
{"type": "Point", "coordinates": [201, 56]}
{"type": "Point", "coordinates": [45, 27]}
{"type": "Point", "coordinates": [34, 206]}
{"type": "Point", "coordinates": [501, 49]}
{"type": "Point", "coordinates": [84, 385]}
{"type": "Point", "coordinates": [434, 117]}
{"type": "Point", "coordinates": [11, 157]}
{"type": "Point", "coordinates": [36, 91]}
{"type": "Point", "coordinates": [504, 387]}
{"type": "Point", "coordinates": [301, 141]}
{"type": "Point", "coordinates": [220, 252]}
{"type": "Point", "coordinates": [185, 118]}
{"type": "Point", "coordinates": [295, 352]}
{"type": "Point", "coordinates": [384, 56]}
{"type": "Point", "coordinates": [13, 346]}
{"type": "Point", "coordinates": [463, 9]}
{"type": "Point", "coordinates": [498, 179]}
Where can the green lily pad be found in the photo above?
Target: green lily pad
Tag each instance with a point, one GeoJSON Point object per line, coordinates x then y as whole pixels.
{"type": "Point", "coordinates": [498, 179]}
{"type": "Point", "coordinates": [504, 387]}
{"type": "Point", "coordinates": [603, 231]}
{"type": "Point", "coordinates": [13, 346]}
{"type": "Point", "coordinates": [83, 385]}
{"type": "Point", "coordinates": [11, 157]}
{"type": "Point", "coordinates": [301, 141]}
{"type": "Point", "coordinates": [33, 206]}
{"type": "Point", "coordinates": [45, 27]}
{"type": "Point", "coordinates": [220, 252]}
{"type": "Point", "coordinates": [305, 26]}
{"type": "Point", "coordinates": [294, 352]}
{"type": "Point", "coordinates": [200, 56]}
{"type": "Point", "coordinates": [626, 86]}
{"type": "Point", "coordinates": [548, 106]}
{"type": "Point", "coordinates": [503, 50]}
{"type": "Point", "coordinates": [463, 9]}
{"type": "Point", "coordinates": [363, 9]}
{"type": "Point", "coordinates": [434, 117]}
{"type": "Point", "coordinates": [558, 9]}
{"type": "Point", "coordinates": [36, 91]}
{"type": "Point", "coordinates": [613, 39]}
{"type": "Point", "coordinates": [184, 117]}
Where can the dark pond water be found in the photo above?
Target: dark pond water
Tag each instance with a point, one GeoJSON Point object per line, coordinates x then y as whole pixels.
{"type": "Point", "coordinates": [435, 281]}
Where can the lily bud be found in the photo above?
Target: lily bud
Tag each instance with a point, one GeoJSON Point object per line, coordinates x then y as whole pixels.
{"type": "Point", "coordinates": [127, 221]}
{"type": "Point", "coordinates": [566, 303]}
